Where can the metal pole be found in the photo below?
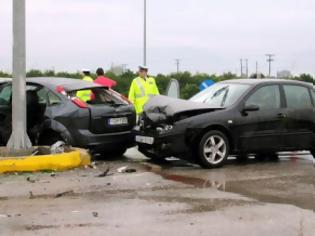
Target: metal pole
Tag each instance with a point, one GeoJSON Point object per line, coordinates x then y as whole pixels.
{"type": "Point", "coordinates": [19, 143]}
{"type": "Point", "coordinates": [145, 34]}
{"type": "Point", "coordinates": [269, 60]}
{"type": "Point", "coordinates": [246, 60]}
{"type": "Point", "coordinates": [177, 65]}
{"type": "Point", "coordinates": [241, 60]}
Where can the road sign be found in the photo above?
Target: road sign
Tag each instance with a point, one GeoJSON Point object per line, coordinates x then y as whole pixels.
{"type": "Point", "coordinates": [206, 84]}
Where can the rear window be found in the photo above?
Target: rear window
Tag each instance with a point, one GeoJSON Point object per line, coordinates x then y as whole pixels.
{"type": "Point", "coordinates": [101, 96]}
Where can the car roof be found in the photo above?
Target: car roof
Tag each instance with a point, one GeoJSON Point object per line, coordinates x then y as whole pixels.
{"type": "Point", "coordinates": [67, 83]}
{"type": "Point", "coordinates": [266, 81]}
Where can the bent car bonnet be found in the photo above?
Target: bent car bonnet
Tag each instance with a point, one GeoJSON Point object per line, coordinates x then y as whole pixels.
{"type": "Point", "coordinates": [160, 108]}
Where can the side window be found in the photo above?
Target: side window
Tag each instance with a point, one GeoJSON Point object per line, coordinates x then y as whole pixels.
{"type": "Point", "coordinates": [53, 99]}
{"type": "Point", "coordinates": [267, 97]}
{"type": "Point", "coordinates": [297, 96]}
{"type": "Point", "coordinates": [42, 96]}
{"type": "Point", "coordinates": [5, 95]}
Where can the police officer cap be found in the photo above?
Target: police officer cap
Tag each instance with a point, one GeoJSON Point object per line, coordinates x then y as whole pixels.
{"type": "Point", "coordinates": [142, 67]}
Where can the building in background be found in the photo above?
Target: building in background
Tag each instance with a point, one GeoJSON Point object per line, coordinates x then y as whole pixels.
{"type": "Point", "coordinates": [284, 74]}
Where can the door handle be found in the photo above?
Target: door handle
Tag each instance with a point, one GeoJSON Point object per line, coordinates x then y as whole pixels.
{"type": "Point", "coordinates": [281, 115]}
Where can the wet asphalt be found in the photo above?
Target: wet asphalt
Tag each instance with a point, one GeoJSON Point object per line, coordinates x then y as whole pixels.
{"type": "Point", "coordinates": [167, 198]}
{"type": "Point", "coordinates": [290, 179]}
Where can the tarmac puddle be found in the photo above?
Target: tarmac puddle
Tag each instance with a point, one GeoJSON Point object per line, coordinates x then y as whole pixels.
{"type": "Point", "coordinates": [290, 181]}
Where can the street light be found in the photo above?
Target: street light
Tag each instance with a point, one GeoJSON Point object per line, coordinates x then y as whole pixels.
{"type": "Point", "coordinates": [19, 143]}
{"type": "Point", "coordinates": [145, 34]}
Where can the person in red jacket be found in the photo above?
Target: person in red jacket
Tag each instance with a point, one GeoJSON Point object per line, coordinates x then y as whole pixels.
{"type": "Point", "coordinates": [102, 80]}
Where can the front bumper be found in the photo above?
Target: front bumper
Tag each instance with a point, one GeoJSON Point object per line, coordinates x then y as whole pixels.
{"type": "Point", "coordinates": [171, 143]}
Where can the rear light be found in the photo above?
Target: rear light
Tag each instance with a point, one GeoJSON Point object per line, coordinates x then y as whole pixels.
{"type": "Point", "coordinates": [79, 102]}
{"type": "Point", "coordinates": [61, 90]}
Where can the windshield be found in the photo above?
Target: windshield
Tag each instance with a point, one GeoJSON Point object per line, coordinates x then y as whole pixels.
{"type": "Point", "coordinates": [221, 94]}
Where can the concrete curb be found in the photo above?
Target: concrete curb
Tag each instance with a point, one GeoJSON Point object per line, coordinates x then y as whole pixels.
{"type": "Point", "coordinates": [57, 162]}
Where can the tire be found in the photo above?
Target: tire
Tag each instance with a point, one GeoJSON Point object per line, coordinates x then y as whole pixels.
{"type": "Point", "coordinates": [213, 149]}
{"type": "Point", "coordinates": [313, 153]}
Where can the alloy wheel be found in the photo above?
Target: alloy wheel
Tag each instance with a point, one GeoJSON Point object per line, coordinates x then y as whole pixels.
{"type": "Point", "coordinates": [214, 149]}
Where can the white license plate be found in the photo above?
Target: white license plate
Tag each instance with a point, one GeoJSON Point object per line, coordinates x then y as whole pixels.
{"type": "Point", "coordinates": [144, 139]}
{"type": "Point", "coordinates": [118, 121]}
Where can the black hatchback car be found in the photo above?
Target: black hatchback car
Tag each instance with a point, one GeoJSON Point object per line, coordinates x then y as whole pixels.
{"type": "Point", "coordinates": [235, 117]}
{"type": "Point", "coordinates": [54, 112]}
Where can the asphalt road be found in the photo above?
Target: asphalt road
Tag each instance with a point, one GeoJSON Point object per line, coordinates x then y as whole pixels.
{"type": "Point", "coordinates": [169, 198]}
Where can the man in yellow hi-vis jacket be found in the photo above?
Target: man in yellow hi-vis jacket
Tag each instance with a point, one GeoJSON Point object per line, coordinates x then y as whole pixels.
{"type": "Point", "coordinates": [85, 95]}
{"type": "Point", "coordinates": [141, 88]}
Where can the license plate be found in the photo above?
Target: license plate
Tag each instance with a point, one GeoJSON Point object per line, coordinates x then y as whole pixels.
{"type": "Point", "coordinates": [144, 139]}
{"type": "Point", "coordinates": [118, 121]}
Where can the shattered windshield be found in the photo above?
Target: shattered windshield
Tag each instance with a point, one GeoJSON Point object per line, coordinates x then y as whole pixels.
{"type": "Point", "coordinates": [221, 94]}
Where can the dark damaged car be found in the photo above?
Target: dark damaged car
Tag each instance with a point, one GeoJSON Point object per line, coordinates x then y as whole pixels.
{"type": "Point", "coordinates": [54, 112]}
{"type": "Point", "coordinates": [236, 117]}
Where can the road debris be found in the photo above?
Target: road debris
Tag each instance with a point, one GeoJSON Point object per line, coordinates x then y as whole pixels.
{"type": "Point", "coordinates": [66, 193]}
{"type": "Point", "coordinates": [122, 169]}
{"type": "Point", "coordinates": [105, 173]}
{"type": "Point", "coordinates": [125, 169]}
{"type": "Point", "coordinates": [31, 195]}
{"type": "Point", "coordinates": [95, 214]}
{"type": "Point", "coordinates": [30, 180]}
{"type": "Point", "coordinates": [58, 147]}
{"type": "Point", "coordinates": [92, 165]}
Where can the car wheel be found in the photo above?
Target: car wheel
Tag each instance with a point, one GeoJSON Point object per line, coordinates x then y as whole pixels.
{"type": "Point", "coordinates": [313, 153]}
{"type": "Point", "coordinates": [213, 149]}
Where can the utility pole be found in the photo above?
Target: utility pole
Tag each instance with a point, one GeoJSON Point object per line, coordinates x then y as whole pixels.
{"type": "Point", "coordinates": [19, 143]}
{"type": "Point", "coordinates": [177, 65]}
{"type": "Point", "coordinates": [246, 61]}
{"type": "Point", "coordinates": [241, 60]}
{"type": "Point", "coordinates": [257, 73]}
{"type": "Point", "coordinates": [145, 34]}
{"type": "Point", "coordinates": [269, 60]}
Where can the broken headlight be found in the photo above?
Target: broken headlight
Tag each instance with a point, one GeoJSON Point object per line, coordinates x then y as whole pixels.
{"type": "Point", "coordinates": [164, 128]}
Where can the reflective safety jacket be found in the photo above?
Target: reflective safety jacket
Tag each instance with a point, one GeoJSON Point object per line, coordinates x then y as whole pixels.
{"type": "Point", "coordinates": [140, 90]}
{"type": "Point", "coordinates": [85, 95]}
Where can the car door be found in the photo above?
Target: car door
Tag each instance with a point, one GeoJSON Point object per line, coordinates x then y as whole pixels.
{"type": "Point", "coordinates": [5, 113]}
{"type": "Point", "coordinates": [263, 129]}
{"type": "Point", "coordinates": [300, 116]}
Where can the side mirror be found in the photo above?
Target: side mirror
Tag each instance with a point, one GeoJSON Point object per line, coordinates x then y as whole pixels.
{"type": "Point", "coordinates": [251, 107]}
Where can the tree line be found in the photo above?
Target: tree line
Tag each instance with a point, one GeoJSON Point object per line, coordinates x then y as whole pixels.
{"type": "Point", "coordinates": [189, 83]}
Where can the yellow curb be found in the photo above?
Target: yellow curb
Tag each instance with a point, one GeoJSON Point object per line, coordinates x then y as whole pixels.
{"type": "Point", "coordinates": [56, 162]}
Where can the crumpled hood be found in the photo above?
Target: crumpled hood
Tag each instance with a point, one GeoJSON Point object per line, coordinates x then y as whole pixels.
{"type": "Point", "coordinates": [160, 108]}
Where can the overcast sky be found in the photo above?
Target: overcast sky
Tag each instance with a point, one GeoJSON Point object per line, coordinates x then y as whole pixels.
{"type": "Point", "coordinates": [209, 36]}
